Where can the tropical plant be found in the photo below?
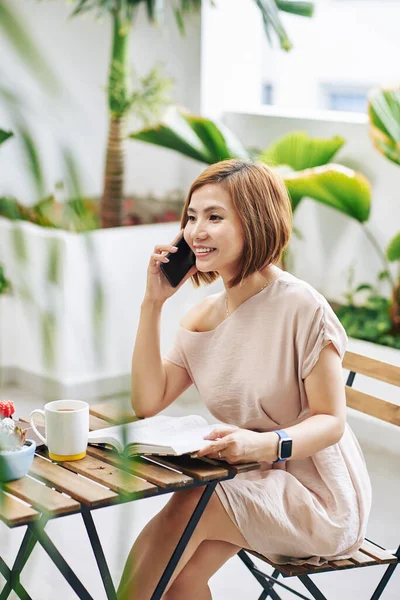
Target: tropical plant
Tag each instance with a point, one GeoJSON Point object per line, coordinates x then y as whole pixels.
{"type": "Point", "coordinates": [302, 160]}
{"type": "Point", "coordinates": [384, 122]}
{"type": "Point", "coordinates": [148, 101]}
{"type": "Point", "coordinates": [304, 163]}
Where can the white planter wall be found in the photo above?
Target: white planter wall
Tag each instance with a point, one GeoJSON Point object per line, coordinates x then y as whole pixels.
{"type": "Point", "coordinates": [87, 359]}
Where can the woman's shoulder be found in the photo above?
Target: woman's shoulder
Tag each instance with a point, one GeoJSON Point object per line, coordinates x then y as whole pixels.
{"type": "Point", "coordinates": [302, 294]}
{"type": "Point", "coordinates": [205, 315]}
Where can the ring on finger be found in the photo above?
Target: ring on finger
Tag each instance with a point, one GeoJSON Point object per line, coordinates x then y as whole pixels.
{"type": "Point", "coordinates": [219, 454]}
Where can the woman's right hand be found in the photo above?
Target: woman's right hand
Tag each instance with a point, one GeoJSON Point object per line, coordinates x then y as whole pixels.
{"type": "Point", "coordinates": [158, 287]}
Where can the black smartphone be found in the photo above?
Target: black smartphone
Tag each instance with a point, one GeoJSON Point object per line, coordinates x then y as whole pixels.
{"type": "Point", "coordinates": [180, 263]}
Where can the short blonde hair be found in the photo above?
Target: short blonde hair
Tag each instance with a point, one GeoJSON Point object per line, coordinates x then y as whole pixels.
{"type": "Point", "coordinates": [260, 198]}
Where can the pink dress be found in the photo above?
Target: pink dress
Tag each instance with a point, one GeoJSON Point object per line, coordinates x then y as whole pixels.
{"type": "Point", "coordinates": [250, 372]}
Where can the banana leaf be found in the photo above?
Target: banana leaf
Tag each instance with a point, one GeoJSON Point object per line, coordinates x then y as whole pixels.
{"type": "Point", "coordinates": [193, 136]}
{"type": "Point", "coordinates": [4, 135]}
{"type": "Point", "coordinates": [393, 249]}
{"type": "Point", "coordinates": [300, 151]}
{"type": "Point", "coordinates": [384, 117]}
{"type": "Point", "coordinates": [335, 186]}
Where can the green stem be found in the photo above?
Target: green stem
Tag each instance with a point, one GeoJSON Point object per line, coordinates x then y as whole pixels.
{"type": "Point", "coordinates": [381, 254]}
{"type": "Point", "coordinates": [119, 82]}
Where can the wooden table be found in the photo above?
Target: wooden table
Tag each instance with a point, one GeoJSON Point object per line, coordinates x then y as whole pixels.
{"type": "Point", "coordinates": [122, 480]}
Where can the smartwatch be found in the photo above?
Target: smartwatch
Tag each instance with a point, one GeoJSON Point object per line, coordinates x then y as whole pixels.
{"type": "Point", "coordinates": [284, 446]}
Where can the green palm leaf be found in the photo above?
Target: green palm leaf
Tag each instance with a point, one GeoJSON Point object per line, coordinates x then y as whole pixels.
{"type": "Point", "coordinates": [303, 9]}
{"type": "Point", "coordinates": [299, 151]}
{"type": "Point", "coordinates": [196, 137]}
{"type": "Point", "coordinates": [384, 116]}
{"type": "Point", "coordinates": [393, 249]}
{"type": "Point", "coordinates": [4, 135]}
{"type": "Point", "coordinates": [271, 19]}
{"type": "Point", "coordinates": [335, 186]}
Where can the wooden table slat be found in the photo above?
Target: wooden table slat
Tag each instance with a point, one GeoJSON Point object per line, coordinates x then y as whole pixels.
{"type": "Point", "coordinates": [83, 490]}
{"type": "Point", "coordinates": [41, 497]}
{"type": "Point", "coordinates": [112, 412]}
{"type": "Point", "coordinates": [97, 423]}
{"type": "Point", "coordinates": [117, 480]}
{"type": "Point", "coordinates": [14, 513]}
{"type": "Point", "coordinates": [254, 466]}
{"type": "Point", "coordinates": [154, 473]}
{"type": "Point", "coordinates": [194, 467]}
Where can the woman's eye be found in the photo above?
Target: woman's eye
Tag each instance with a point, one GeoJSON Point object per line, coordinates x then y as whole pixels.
{"type": "Point", "coordinates": [213, 217]}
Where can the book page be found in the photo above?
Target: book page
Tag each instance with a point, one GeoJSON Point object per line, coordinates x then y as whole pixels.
{"type": "Point", "coordinates": [161, 430]}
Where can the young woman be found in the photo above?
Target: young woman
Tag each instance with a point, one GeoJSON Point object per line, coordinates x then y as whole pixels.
{"type": "Point", "coordinates": [265, 356]}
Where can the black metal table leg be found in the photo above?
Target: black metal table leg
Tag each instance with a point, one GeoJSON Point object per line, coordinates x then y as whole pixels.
{"type": "Point", "coordinates": [12, 575]}
{"type": "Point", "coordinates": [99, 554]}
{"type": "Point", "coordinates": [60, 562]}
{"type": "Point", "coordinates": [187, 534]}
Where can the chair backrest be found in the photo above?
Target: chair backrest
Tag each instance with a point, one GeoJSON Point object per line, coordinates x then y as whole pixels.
{"type": "Point", "coordinates": [376, 369]}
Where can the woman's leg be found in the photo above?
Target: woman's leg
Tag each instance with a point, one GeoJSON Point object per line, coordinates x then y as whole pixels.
{"type": "Point", "coordinates": [154, 546]}
{"type": "Point", "coordinates": [192, 581]}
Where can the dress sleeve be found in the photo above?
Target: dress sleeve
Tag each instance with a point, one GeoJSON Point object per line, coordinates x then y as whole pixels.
{"type": "Point", "coordinates": [325, 328]}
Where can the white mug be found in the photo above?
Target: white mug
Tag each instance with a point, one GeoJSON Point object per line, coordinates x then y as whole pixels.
{"type": "Point", "coordinates": [66, 428]}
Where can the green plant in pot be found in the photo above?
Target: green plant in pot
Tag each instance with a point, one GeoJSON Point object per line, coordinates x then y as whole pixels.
{"type": "Point", "coordinates": [148, 101]}
{"type": "Point", "coordinates": [16, 452]}
{"type": "Point", "coordinates": [307, 167]}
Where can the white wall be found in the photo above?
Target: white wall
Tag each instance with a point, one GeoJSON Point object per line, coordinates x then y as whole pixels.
{"type": "Point", "coordinates": [78, 50]}
{"type": "Point", "coordinates": [332, 241]}
{"type": "Point", "coordinates": [350, 42]}
{"type": "Point", "coordinates": [231, 56]}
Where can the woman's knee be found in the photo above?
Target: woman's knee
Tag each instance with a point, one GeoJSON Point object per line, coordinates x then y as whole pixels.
{"type": "Point", "coordinates": [177, 512]}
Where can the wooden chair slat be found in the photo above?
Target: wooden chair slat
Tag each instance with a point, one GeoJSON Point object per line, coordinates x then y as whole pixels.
{"type": "Point", "coordinates": [361, 559]}
{"type": "Point", "coordinates": [372, 368]}
{"type": "Point", "coordinates": [85, 491]}
{"type": "Point", "coordinates": [112, 413]}
{"type": "Point", "coordinates": [193, 467]}
{"type": "Point", "coordinates": [342, 564]}
{"type": "Point", "coordinates": [380, 555]}
{"type": "Point", "coordinates": [41, 497]}
{"type": "Point", "coordinates": [119, 481]}
{"type": "Point", "coordinates": [154, 473]}
{"type": "Point", "coordinates": [286, 568]}
{"type": "Point", "coordinates": [14, 513]}
{"type": "Point", "coordinates": [370, 405]}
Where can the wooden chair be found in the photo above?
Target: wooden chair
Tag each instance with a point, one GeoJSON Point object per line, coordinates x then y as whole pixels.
{"type": "Point", "coordinates": [370, 553]}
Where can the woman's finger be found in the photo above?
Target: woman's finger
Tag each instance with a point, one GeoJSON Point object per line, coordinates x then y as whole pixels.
{"type": "Point", "coordinates": [219, 432]}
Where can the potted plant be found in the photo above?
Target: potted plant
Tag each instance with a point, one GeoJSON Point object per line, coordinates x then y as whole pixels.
{"type": "Point", "coordinates": [78, 296]}
{"type": "Point", "coordinates": [16, 452]}
{"type": "Point", "coordinates": [121, 97]}
{"type": "Point", "coordinates": [306, 166]}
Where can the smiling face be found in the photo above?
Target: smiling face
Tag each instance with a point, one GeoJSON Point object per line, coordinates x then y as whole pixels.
{"type": "Point", "coordinates": [214, 223]}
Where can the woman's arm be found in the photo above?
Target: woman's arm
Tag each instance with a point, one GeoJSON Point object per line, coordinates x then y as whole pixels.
{"type": "Point", "coordinates": [325, 426]}
{"type": "Point", "coordinates": [327, 401]}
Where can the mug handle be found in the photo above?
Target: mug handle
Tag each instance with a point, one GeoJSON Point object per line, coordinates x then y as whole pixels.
{"type": "Point", "coordinates": [41, 412]}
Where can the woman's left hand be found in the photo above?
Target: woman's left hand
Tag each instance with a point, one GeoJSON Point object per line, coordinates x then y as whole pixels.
{"type": "Point", "coordinates": [235, 445]}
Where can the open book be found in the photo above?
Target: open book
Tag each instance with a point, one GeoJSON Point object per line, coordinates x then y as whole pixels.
{"type": "Point", "coordinates": [156, 435]}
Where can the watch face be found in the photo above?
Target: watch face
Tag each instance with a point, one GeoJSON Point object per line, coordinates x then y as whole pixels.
{"type": "Point", "coordinates": [286, 449]}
